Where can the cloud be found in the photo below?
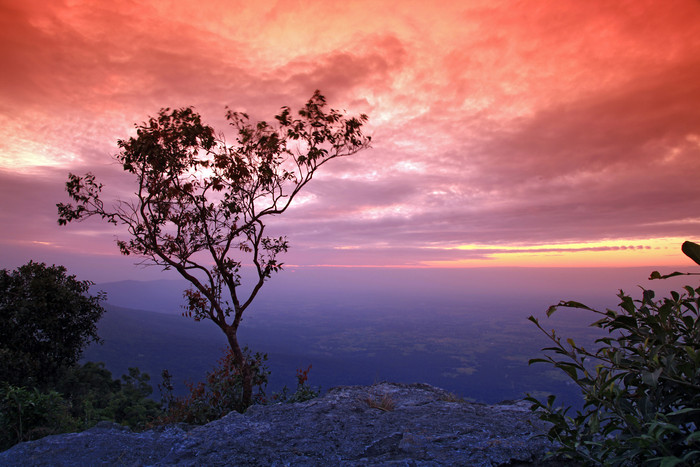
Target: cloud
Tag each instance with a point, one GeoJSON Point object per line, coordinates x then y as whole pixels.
{"type": "Point", "coordinates": [595, 169]}
{"type": "Point", "coordinates": [493, 123]}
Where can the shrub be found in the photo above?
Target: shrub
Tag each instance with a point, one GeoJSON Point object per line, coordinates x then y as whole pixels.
{"type": "Point", "coordinates": [88, 389]}
{"type": "Point", "coordinates": [640, 386]}
{"type": "Point", "coordinates": [220, 393]}
{"type": "Point", "coordinates": [84, 396]}
{"type": "Point", "coordinates": [130, 405]}
{"type": "Point", "coordinates": [46, 318]}
{"type": "Point", "coordinates": [94, 396]}
{"type": "Point", "coordinates": [303, 392]}
{"type": "Point", "coordinates": [28, 414]}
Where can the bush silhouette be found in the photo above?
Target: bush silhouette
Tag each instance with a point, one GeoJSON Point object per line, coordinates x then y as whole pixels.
{"type": "Point", "coordinates": [640, 385]}
{"type": "Point", "coordinates": [46, 318]}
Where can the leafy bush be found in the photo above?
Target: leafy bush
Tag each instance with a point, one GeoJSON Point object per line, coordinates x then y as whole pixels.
{"type": "Point", "coordinates": [46, 318]}
{"type": "Point", "coordinates": [640, 386]}
{"type": "Point", "coordinates": [28, 414]}
{"type": "Point", "coordinates": [88, 389]}
{"type": "Point", "coordinates": [130, 405]}
{"type": "Point", "coordinates": [303, 392]}
{"type": "Point", "coordinates": [220, 393]}
{"type": "Point", "coordinates": [85, 395]}
{"type": "Point", "coordinates": [93, 396]}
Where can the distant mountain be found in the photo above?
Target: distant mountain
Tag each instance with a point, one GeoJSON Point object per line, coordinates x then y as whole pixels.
{"type": "Point", "coordinates": [187, 349]}
{"type": "Point", "coordinates": [155, 341]}
{"type": "Point", "coordinates": [299, 287]}
{"type": "Point", "coordinates": [465, 330]}
{"type": "Point", "coordinates": [162, 296]}
{"type": "Point", "coordinates": [482, 357]}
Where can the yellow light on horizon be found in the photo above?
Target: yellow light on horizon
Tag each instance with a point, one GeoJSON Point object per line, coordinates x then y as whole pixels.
{"type": "Point", "coordinates": [613, 253]}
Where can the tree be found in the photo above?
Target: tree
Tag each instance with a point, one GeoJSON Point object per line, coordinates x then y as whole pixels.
{"type": "Point", "coordinates": [83, 396]}
{"type": "Point", "coordinates": [201, 205]}
{"type": "Point", "coordinates": [46, 318]}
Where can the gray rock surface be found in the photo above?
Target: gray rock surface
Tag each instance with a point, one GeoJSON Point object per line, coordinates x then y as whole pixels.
{"type": "Point", "coordinates": [383, 424]}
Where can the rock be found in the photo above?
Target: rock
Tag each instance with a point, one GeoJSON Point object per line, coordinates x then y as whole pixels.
{"type": "Point", "coordinates": [384, 424]}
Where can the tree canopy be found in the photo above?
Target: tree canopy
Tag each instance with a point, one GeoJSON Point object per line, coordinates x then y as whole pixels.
{"type": "Point", "coordinates": [201, 204]}
{"type": "Point", "coordinates": [46, 318]}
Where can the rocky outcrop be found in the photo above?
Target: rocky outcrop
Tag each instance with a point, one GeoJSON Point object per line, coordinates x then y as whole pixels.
{"type": "Point", "coordinates": [383, 424]}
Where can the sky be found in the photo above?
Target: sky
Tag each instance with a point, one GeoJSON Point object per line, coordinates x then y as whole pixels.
{"type": "Point", "coordinates": [514, 133]}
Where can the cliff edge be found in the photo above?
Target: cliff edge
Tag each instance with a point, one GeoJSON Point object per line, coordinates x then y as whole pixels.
{"type": "Point", "coordinates": [382, 424]}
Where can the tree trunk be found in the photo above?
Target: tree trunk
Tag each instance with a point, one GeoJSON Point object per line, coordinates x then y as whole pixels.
{"type": "Point", "coordinates": [240, 360]}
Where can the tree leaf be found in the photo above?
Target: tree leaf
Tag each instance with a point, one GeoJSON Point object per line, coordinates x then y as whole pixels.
{"type": "Point", "coordinates": [657, 275]}
{"type": "Point", "coordinates": [692, 251]}
{"type": "Point", "coordinates": [669, 461]}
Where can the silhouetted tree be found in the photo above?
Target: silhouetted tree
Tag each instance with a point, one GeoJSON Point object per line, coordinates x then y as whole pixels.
{"type": "Point", "coordinates": [46, 318]}
{"type": "Point", "coordinates": [201, 204]}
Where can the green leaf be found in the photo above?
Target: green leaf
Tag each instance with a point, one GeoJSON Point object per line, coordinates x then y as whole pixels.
{"type": "Point", "coordinates": [669, 461]}
{"type": "Point", "coordinates": [692, 251]}
{"type": "Point", "coordinates": [690, 455]}
{"type": "Point", "coordinates": [573, 304]}
{"type": "Point", "coordinates": [600, 322]}
{"type": "Point", "coordinates": [570, 369]}
{"type": "Point", "coordinates": [594, 422]}
{"type": "Point", "coordinates": [651, 379]}
{"type": "Point", "coordinates": [686, 410]}
{"type": "Point", "coordinates": [656, 275]}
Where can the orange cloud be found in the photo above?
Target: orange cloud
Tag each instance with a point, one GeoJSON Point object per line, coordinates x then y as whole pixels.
{"type": "Point", "coordinates": [510, 126]}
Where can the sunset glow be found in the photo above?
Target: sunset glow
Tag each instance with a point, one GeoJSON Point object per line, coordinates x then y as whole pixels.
{"type": "Point", "coordinates": [657, 251]}
{"type": "Point", "coordinates": [554, 134]}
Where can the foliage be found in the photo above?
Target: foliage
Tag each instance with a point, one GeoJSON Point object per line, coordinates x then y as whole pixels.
{"type": "Point", "coordinates": [692, 251]}
{"type": "Point", "coordinates": [46, 317]}
{"type": "Point", "coordinates": [129, 405]}
{"type": "Point", "coordinates": [84, 396]}
{"type": "Point", "coordinates": [28, 414]}
{"type": "Point", "coordinates": [641, 385]}
{"type": "Point", "coordinates": [201, 204]}
{"type": "Point", "coordinates": [221, 392]}
{"type": "Point", "coordinates": [88, 389]}
{"type": "Point", "coordinates": [303, 391]}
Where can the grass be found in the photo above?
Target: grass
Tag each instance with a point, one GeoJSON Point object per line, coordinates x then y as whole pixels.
{"type": "Point", "coordinates": [451, 397]}
{"type": "Point", "coordinates": [385, 402]}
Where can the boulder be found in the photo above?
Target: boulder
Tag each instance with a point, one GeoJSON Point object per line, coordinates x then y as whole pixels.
{"type": "Point", "coordinates": [383, 424]}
